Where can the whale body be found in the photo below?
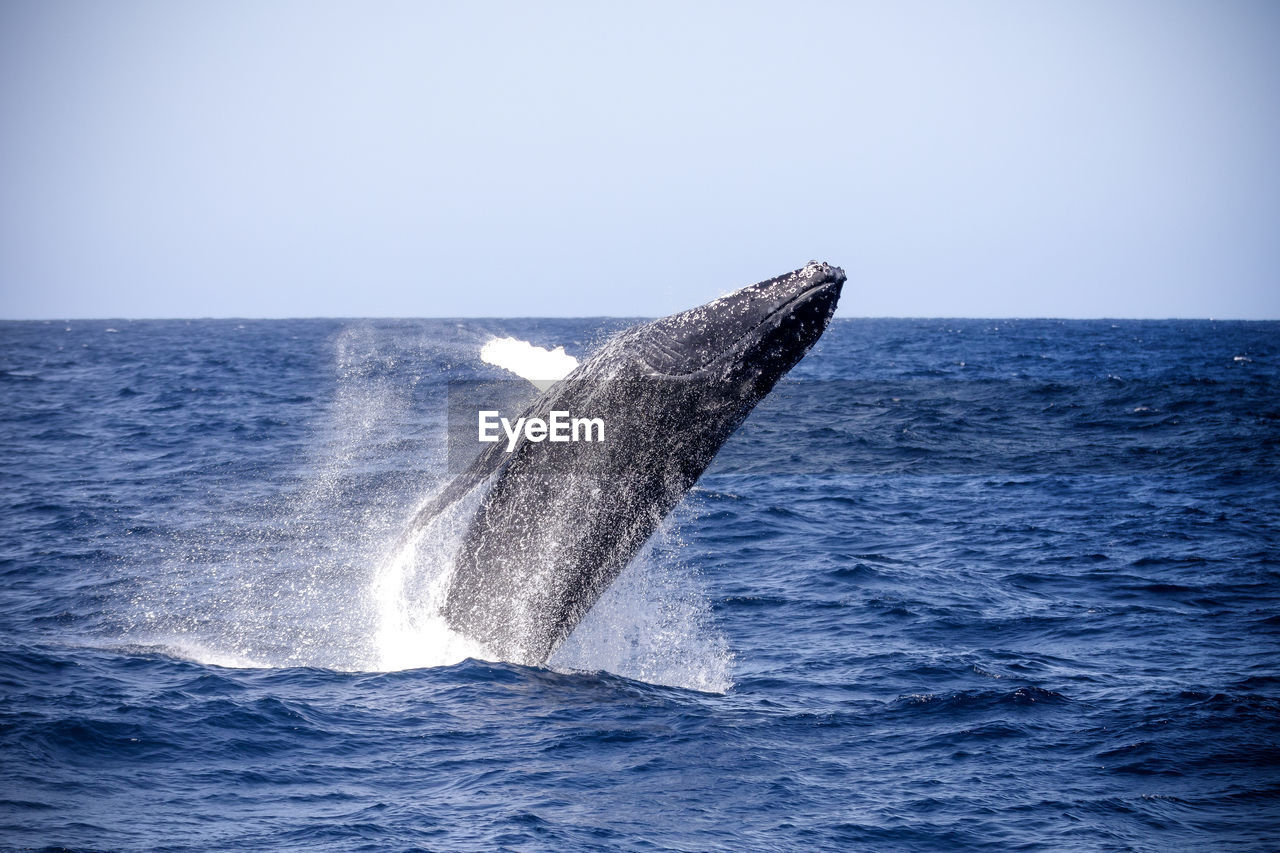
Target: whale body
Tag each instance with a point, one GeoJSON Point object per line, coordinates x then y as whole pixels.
{"type": "Point", "coordinates": [560, 520]}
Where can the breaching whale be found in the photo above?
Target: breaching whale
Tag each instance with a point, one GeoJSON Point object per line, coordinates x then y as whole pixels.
{"type": "Point", "coordinates": [560, 521]}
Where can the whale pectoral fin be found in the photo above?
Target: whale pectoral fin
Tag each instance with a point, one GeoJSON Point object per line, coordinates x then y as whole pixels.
{"type": "Point", "coordinates": [542, 367]}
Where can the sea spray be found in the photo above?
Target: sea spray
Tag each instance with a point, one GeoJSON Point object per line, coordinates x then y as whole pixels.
{"type": "Point", "coordinates": [408, 590]}
{"type": "Point", "coordinates": [318, 571]}
{"type": "Point", "coordinates": [654, 623]}
{"type": "Point", "coordinates": [279, 577]}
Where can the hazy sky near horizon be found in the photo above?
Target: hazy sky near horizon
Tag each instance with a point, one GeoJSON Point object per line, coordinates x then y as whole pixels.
{"type": "Point", "coordinates": [1078, 158]}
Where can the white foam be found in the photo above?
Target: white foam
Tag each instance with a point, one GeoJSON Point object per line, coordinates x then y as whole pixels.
{"type": "Point", "coordinates": [198, 652]}
{"type": "Point", "coordinates": [653, 624]}
{"type": "Point", "coordinates": [408, 592]}
{"type": "Point", "coordinates": [542, 367]}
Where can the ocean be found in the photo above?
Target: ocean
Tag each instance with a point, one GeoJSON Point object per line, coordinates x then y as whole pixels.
{"type": "Point", "coordinates": [957, 584]}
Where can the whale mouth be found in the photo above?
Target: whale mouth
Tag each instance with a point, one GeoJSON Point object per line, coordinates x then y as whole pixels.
{"type": "Point", "coordinates": [787, 333]}
{"type": "Point", "coordinates": [832, 286]}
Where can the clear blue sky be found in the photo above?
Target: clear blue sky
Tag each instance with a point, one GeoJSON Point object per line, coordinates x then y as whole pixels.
{"type": "Point", "coordinates": [1082, 158]}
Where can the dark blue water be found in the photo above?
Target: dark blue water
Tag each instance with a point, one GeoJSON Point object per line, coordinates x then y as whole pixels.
{"type": "Point", "coordinates": [959, 584]}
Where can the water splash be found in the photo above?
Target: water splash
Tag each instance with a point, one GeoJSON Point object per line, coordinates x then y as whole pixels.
{"type": "Point", "coordinates": [653, 624]}
{"type": "Point", "coordinates": [408, 591]}
{"type": "Point", "coordinates": [314, 568]}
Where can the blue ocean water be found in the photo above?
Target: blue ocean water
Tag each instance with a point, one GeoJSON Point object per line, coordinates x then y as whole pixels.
{"type": "Point", "coordinates": [957, 584]}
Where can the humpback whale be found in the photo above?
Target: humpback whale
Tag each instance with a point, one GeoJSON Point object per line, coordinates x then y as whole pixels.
{"type": "Point", "coordinates": [560, 521]}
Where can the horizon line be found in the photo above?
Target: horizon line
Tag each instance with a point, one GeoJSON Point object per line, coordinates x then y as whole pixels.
{"type": "Point", "coordinates": [608, 317]}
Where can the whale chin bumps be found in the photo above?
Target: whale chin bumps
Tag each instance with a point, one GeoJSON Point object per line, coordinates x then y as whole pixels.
{"type": "Point", "coordinates": [560, 520]}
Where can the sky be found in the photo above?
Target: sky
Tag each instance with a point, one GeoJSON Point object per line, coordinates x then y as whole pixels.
{"type": "Point", "coordinates": [1090, 158]}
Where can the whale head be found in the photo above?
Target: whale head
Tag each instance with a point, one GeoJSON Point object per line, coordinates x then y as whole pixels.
{"type": "Point", "coordinates": [753, 335]}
